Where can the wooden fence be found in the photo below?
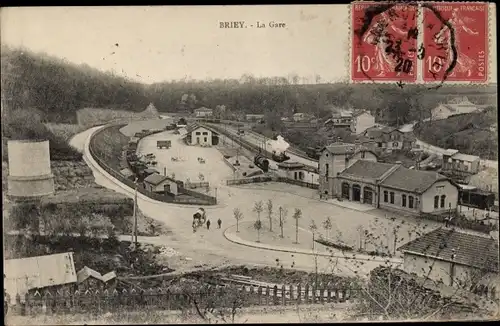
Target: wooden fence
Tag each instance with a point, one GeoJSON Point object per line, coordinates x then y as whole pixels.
{"type": "Point", "coordinates": [234, 182]}
{"type": "Point", "coordinates": [172, 299]}
{"type": "Point", "coordinates": [198, 198]}
{"type": "Point", "coordinates": [460, 222]}
{"type": "Point", "coordinates": [194, 185]}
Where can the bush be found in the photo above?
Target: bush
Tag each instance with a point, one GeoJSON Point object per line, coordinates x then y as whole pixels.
{"type": "Point", "coordinates": [26, 124]}
{"type": "Point", "coordinates": [328, 243]}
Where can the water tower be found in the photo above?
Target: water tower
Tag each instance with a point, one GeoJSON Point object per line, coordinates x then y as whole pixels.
{"type": "Point", "coordinates": [30, 176]}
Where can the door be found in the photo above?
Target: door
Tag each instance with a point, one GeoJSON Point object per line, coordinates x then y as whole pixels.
{"type": "Point", "coordinates": [345, 190]}
{"type": "Point", "coordinates": [368, 195]}
{"type": "Point", "coordinates": [356, 193]}
{"type": "Point", "coordinates": [197, 140]}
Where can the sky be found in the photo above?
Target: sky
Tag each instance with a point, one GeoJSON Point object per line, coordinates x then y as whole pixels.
{"type": "Point", "coordinates": [165, 43]}
{"type": "Point", "coordinates": [157, 44]}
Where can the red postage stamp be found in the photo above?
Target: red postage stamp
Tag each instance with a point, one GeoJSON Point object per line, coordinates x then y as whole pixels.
{"type": "Point", "coordinates": [384, 42]}
{"type": "Point", "coordinates": [455, 41]}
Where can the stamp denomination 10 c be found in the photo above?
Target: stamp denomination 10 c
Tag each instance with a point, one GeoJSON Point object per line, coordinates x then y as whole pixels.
{"type": "Point", "coordinates": [419, 41]}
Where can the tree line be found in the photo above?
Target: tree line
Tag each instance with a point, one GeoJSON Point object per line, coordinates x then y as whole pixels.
{"type": "Point", "coordinates": [58, 89]}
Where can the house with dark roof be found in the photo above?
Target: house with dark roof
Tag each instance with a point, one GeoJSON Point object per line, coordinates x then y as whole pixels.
{"type": "Point", "coordinates": [455, 259]}
{"type": "Point", "coordinates": [389, 138]}
{"type": "Point", "coordinates": [160, 183]}
{"type": "Point", "coordinates": [335, 158]}
{"type": "Point", "coordinates": [456, 163]}
{"type": "Point", "coordinates": [394, 187]}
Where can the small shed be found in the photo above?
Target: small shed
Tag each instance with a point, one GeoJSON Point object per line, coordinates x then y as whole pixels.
{"type": "Point", "coordinates": [161, 184]}
{"type": "Point", "coordinates": [90, 276]}
{"type": "Point", "coordinates": [49, 271]}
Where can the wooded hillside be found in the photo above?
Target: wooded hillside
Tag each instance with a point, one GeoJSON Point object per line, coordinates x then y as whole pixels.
{"type": "Point", "coordinates": [58, 89]}
{"type": "Point", "coordinates": [473, 133]}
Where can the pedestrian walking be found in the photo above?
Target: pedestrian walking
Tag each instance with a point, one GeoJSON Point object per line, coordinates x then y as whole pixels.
{"type": "Point", "coordinates": [219, 222]}
{"type": "Point", "coordinates": [208, 224]}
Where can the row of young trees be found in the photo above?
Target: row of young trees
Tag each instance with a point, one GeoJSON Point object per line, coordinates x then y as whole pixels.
{"type": "Point", "coordinates": [260, 207]}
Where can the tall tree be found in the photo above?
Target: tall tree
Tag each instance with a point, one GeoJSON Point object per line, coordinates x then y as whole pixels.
{"type": "Point", "coordinates": [258, 208]}
{"type": "Point", "coordinates": [327, 225]}
{"type": "Point", "coordinates": [270, 214]}
{"type": "Point", "coordinates": [238, 216]}
{"type": "Point", "coordinates": [258, 226]}
{"type": "Point", "coordinates": [297, 215]}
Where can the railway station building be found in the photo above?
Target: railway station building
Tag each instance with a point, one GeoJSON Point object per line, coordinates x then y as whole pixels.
{"type": "Point", "coordinates": [394, 187]}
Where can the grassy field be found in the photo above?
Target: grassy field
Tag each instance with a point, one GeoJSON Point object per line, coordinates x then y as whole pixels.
{"type": "Point", "coordinates": [65, 130]}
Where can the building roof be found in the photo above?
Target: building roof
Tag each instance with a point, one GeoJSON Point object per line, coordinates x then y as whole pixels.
{"type": "Point", "coordinates": [340, 148]}
{"type": "Point", "coordinates": [465, 157]}
{"type": "Point", "coordinates": [470, 250]}
{"type": "Point", "coordinates": [361, 112]}
{"type": "Point", "coordinates": [412, 180]}
{"type": "Point", "coordinates": [87, 272]}
{"type": "Point", "coordinates": [192, 127]}
{"type": "Point", "coordinates": [290, 165]}
{"type": "Point", "coordinates": [126, 172]}
{"type": "Point", "coordinates": [156, 178]}
{"type": "Point", "coordinates": [451, 152]}
{"type": "Point", "coordinates": [203, 109]}
{"type": "Point", "coordinates": [367, 169]}
{"type": "Point", "coordinates": [342, 114]}
{"type": "Point", "coordinates": [24, 274]}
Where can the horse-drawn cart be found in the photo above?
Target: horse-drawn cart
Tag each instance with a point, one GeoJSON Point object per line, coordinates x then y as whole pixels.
{"type": "Point", "coordinates": [199, 218]}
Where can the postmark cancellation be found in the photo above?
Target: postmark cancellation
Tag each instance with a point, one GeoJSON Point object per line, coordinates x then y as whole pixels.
{"type": "Point", "coordinates": [419, 42]}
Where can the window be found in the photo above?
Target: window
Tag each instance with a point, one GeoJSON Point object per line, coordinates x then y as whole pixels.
{"type": "Point", "coordinates": [403, 200]}
{"type": "Point", "coordinates": [205, 133]}
{"type": "Point", "coordinates": [386, 196]}
{"type": "Point", "coordinates": [326, 169]}
{"type": "Point", "coordinates": [395, 144]}
{"type": "Point", "coordinates": [392, 197]}
{"type": "Point", "coordinates": [362, 154]}
{"type": "Point", "coordinates": [436, 201]}
{"type": "Point", "coordinates": [443, 200]}
{"type": "Point", "coordinates": [410, 201]}
{"type": "Point", "coordinates": [379, 144]}
{"type": "Point", "coordinates": [198, 133]}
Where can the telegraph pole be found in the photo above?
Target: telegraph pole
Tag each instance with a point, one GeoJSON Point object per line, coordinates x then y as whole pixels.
{"type": "Point", "coordinates": [134, 235]}
{"type": "Point", "coordinates": [281, 222]}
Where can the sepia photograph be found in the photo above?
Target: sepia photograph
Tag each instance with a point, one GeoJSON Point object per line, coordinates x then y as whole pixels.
{"type": "Point", "coordinates": [250, 164]}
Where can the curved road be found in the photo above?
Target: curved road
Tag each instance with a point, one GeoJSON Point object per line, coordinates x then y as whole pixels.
{"type": "Point", "coordinates": [211, 247]}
